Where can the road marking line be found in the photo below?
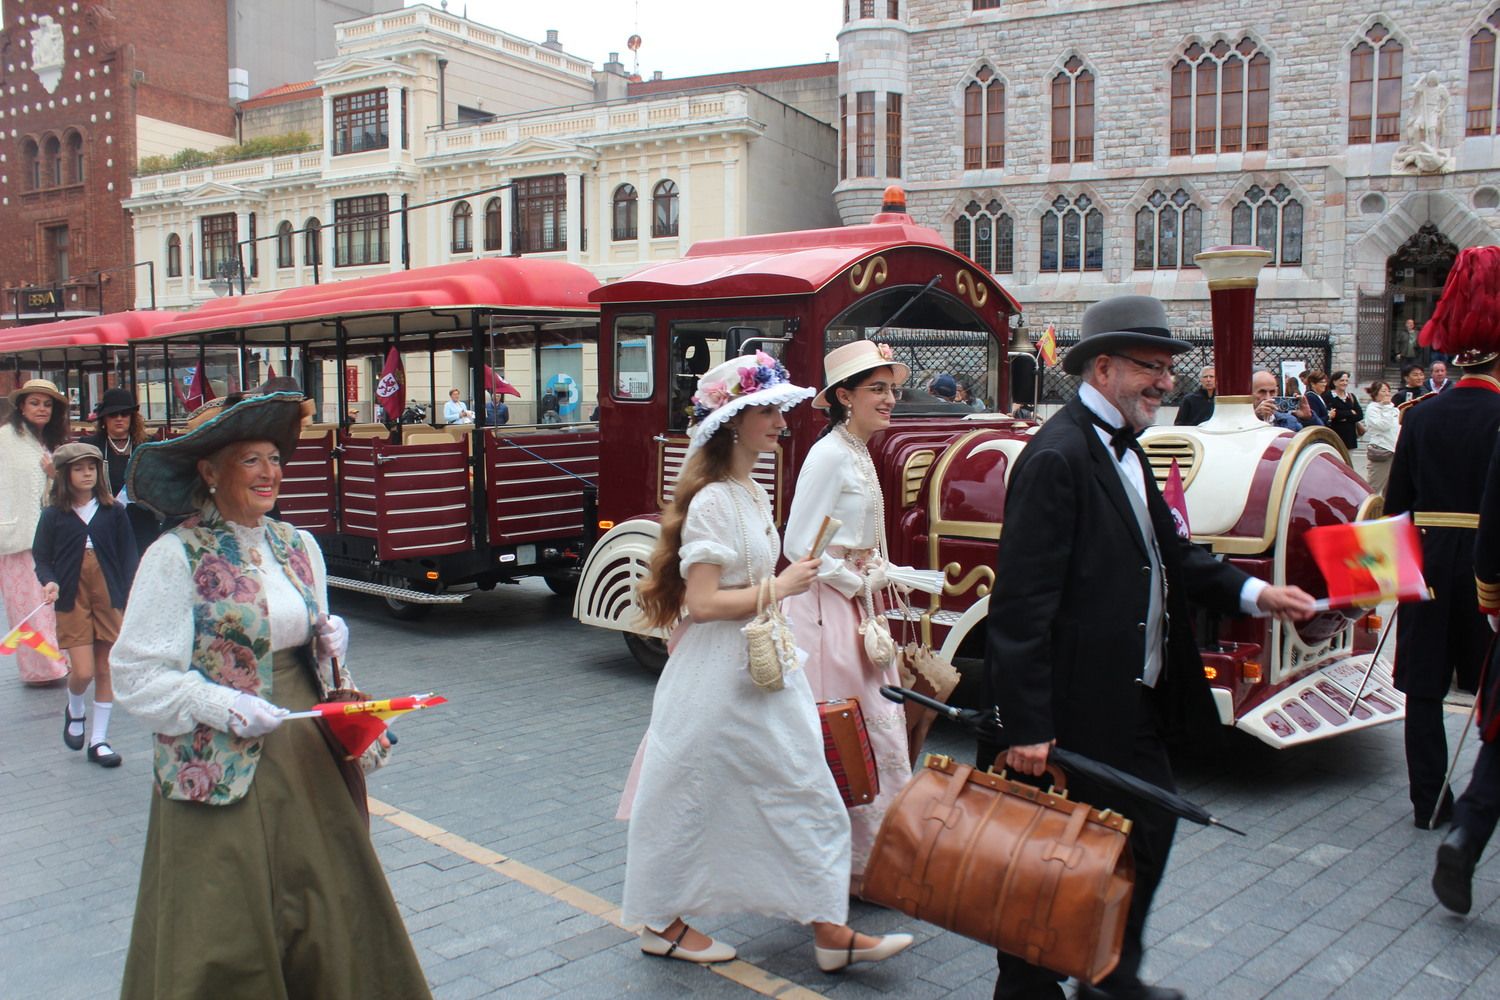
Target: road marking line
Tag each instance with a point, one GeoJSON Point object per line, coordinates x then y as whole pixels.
{"type": "Point", "coordinates": [752, 977]}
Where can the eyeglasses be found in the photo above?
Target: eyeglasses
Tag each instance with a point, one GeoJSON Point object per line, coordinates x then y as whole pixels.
{"type": "Point", "coordinates": [1156, 368]}
{"type": "Point", "coordinates": [884, 389]}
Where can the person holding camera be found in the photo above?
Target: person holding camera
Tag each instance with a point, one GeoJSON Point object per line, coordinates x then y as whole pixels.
{"type": "Point", "coordinates": [1273, 409]}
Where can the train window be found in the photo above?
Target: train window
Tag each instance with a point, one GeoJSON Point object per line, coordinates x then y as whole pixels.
{"type": "Point", "coordinates": [635, 371]}
{"type": "Point", "coordinates": [698, 345]}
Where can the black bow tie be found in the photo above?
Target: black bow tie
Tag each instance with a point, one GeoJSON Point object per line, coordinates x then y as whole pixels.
{"type": "Point", "coordinates": [1121, 439]}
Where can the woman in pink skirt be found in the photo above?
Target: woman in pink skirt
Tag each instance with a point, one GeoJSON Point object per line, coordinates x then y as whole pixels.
{"type": "Point", "coordinates": [838, 480]}
{"type": "Point", "coordinates": [38, 425]}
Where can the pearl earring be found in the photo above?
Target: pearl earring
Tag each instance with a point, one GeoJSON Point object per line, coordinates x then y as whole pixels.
{"type": "Point", "coordinates": [213, 489]}
{"type": "Point", "coordinates": [735, 433]}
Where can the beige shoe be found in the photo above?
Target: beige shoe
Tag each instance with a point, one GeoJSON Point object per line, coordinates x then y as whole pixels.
{"type": "Point", "coordinates": [653, 943]}
{"type": "Point", "coordinates": [836, 959]}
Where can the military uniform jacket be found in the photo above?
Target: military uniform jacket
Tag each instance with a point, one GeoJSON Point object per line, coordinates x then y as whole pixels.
{"type": "Point", "coordinates": [1487, 582]}
{"type": "Point", "coordinates": [1438, 475]}
{"type": "Point", "coordinates": [1066, 628]}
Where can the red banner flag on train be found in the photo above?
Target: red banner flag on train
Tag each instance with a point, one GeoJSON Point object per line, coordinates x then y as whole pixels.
{"type": "Point", "coordinates": [199, 391]}
{"type": "Point", "coordinates": [390, 391]}
{"type": "Point", "coordinates": [1176, 497]}
{"type": "Point", "coordinates": [494, 383]}
{"type": "Point", "coordinates": [1047, 346]}
{"type": "Point", "coordinates": [1368, 562]}
{"type": "Point", "coordinates": [357, 724]}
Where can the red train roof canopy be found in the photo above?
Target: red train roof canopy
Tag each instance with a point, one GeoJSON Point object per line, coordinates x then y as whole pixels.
{"type": "Point", "coordinates": [85, 331]}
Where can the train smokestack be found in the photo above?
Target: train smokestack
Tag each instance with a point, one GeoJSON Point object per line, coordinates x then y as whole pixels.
{"type": "Point", "coordinates": [1233, 274]}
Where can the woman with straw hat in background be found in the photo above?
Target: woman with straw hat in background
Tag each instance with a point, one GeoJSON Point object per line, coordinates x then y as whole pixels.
{"type": "Point", "coordinates": [731, 804]}
{"type": "Point", "coordinates": [36, 427]}
{"type": "Point", "coordinates": [837, 621]}
{"type": "Point", "coordinates": [259, 878]}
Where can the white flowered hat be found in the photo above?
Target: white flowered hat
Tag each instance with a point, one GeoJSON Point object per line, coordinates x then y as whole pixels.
{"type": "Point", "coordinates": [851, 359]}
{"type": "Point", "coordinates": [749, 380]}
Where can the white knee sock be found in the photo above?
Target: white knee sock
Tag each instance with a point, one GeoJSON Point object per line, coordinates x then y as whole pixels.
{"type": "Point", "coordinates": [75, 711]}
{"type": "Point", "coordinates": [101, 722]}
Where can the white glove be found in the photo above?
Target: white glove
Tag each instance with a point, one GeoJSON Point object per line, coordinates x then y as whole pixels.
{"type": "Point", "coordinates": [875, 578]}
{"type": "Point", "coordinates": [252, 716]}
{"type": "Point", "coordinates": [1494, 622]}
{"type": "Point", "coordinates": [332, 637]}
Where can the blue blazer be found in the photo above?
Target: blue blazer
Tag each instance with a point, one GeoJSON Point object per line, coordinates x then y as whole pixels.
{"type": "Point", "coordinates": [58, 551]}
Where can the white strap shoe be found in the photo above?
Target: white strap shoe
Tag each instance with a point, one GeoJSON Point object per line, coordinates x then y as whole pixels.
{"type": "Point", "coordinates": [837, 959]}
{"type": "Point", "coordinates": [653, 943]}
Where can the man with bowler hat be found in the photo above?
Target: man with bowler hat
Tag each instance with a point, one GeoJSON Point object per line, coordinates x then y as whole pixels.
{"type": "Point", "coordinates": [1090, 573]}
{"type": "Point", "coordinates": [1438, 475]}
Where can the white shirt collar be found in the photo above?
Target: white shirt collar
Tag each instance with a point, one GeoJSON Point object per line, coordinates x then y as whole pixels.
{"type": "Point", "coordinates": [1101, 407]}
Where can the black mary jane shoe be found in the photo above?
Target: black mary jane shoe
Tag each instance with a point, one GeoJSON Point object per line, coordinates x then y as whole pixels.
{"type": "Point", "coordinates": [72, 742]}
{"type": "Point", "coordinates": [103, 755]}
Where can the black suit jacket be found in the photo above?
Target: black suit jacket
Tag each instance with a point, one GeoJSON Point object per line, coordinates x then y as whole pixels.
{"type": "Point", "coordinates": [1066, 633]}
{"type": "Point", "coordinates": [1196, 407]}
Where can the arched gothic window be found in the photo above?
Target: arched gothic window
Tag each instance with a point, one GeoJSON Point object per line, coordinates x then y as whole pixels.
{"type": "Point", "coordinates": [1479, 118]}
{"type": "Point", "coordinates": [493, 217]}
{"type": "Point", "coordinates": [987, 235]}
{"type": "Point", "coordinates": [984, 121]}
{"type": "Point", "coordinates": [284, 257]}
{"type": "Point", "coordinates": [33, 159]}
{"type": "Point", "coordinates": [312, 242]}
{"type": "Point", "coordinates": [1168, 231]}
{"type": "Point", "coordinates": [664, 209]}
{"type": "Point", "coordinates": [1272, 220]}
{"type": "Point", "coordinates": [174, 256]}
{"type": "Point", "coordinates": [625, 212]}
{"type": "Point", "coordinates": [1073, 113]}
{"type": "Point", "coordinates": [1072, 236]}
{"type": "Point", "coordinates": [1375, 88]}
{"type": "Point", "coordinates": [463, 227]}
{"type": "Point", "coordinates": [75, 158]}
{"type": "Point", "coordinates": [1221, 99]}
{"type": "Point", "coordinates": [52, 161]}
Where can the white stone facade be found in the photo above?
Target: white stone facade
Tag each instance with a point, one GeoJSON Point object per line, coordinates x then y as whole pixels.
{"type": "Point", "coordinates": [1356, 210]}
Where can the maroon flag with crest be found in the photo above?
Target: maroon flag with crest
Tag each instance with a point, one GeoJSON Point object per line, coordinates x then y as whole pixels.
{"type": "Point", "coordinates": [1176, 497]}
{"type": "Point", "coordinates": [390, 391]}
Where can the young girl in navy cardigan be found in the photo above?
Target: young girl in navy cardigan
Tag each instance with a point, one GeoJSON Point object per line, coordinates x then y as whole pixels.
{"type": "Point", "coordinates": [85, 557]}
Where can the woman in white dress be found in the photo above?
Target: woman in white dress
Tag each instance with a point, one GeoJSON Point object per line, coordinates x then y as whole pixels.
{"type": "Point", "coordinates": [838, 479]}
{"type": "Point", "coordinates": [735, 809]}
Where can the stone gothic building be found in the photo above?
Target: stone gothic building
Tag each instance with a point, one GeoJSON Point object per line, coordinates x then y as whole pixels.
{"type": "Point", "coordinates": [1088, 148]}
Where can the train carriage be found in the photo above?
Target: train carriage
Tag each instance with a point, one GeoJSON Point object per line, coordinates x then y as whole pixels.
{"type": "Point", "coordinates": [1252, 490]}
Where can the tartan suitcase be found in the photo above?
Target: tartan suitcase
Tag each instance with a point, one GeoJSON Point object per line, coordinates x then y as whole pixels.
{"type": "Point", "coordinates": [846, 744]}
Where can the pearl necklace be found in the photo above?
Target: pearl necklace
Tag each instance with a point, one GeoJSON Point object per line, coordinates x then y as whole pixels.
{"type": "Point", "coordinates": [760, 502]}
{"type": "Point", "coordinates": [866, 466]}
{"type": "Point", "coordinates": [116, 448]}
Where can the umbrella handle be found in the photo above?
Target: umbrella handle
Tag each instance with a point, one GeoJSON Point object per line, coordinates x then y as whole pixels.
{"type": "Point", "coordinates": [900, 694]}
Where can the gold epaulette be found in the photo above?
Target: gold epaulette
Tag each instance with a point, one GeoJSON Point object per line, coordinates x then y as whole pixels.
{"type": "Point", "coordinates": [1444, 519]}
{"type": "Point", "coordinates": [1410, 403]}
{"type": "Point", "coordinates": [1489, 596]}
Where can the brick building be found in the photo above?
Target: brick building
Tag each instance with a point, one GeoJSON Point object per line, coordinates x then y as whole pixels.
{"type": "Point", "coordinates": [1081, 150]}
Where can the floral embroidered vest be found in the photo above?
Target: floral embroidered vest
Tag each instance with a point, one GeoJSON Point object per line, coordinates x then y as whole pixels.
{"type": "Point", "coordinates": [232, 647]}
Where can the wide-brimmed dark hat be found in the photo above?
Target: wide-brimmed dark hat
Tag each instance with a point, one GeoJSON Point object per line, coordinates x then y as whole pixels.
{"type": "Point", "coordinates": [164, 474]}
{"type": "Point", "coordinates": [114, 401]}
{"type": "Point", "coordinates": [1119, 324]}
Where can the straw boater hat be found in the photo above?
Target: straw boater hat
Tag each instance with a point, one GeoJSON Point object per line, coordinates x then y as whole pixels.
{"type": "Point", "coordinates": [164, 474]}
{"type": "Point", "coordinates": [75, 452]}
{"type": "Point", "coordinates": [749, 380]}
{"type": "Point", "coordinates": [1121, 323]}
{"type": "Point", "coordinates": [1466, 323]}
{"type": "Point", "coordinates": [37, 386]}
{"type": "Point", "coordinates": [853, 359]}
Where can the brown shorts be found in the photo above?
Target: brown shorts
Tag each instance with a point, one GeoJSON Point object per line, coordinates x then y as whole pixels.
{"type": "Point", "coordinates": [93, 618]}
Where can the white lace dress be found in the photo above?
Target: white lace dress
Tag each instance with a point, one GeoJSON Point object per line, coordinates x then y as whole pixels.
{"type": "Point", "coordinates": [735, 810]}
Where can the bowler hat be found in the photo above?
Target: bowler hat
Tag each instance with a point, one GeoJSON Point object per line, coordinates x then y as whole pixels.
{"type": "Point", "coordinates": [116, 400]}
{"type": "Point", "coordinates": [163, 474]}
{"type": "Point", "coordinates": [1121, 323]}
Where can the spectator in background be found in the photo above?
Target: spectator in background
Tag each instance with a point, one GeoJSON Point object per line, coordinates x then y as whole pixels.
{"type": "Point", "coordinates": [1383, 423]}
{"type": "Point", "coordinates": [944, 387]}
{"type": "Point", "coordinates": [1413, 385]}
{"type": "Point", "coordinates": [1317, 384]}
{"type": "Point", "coordinates": [1263, 387]}
{"type": "Point", "coordinates": [1439, 381]}
{"type": "Point", "coordinates": [1407, 345]}
{"type": "Point", "coordinates": [456, 411]}
{"type": "Point", "coordinates": [496, 412]}
{"type": "Point", "coordinates": [550, 408]}
{"type": "Point", "coordinates": [965, 397]}
{"type": "Point", "coordinates": [1198, 405]}
{"type": "Point", "coordinates": [1345, 415]}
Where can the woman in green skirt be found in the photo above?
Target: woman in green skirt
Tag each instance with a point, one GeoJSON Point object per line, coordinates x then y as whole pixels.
{"type": "Point", "coordinates": [259, 879]}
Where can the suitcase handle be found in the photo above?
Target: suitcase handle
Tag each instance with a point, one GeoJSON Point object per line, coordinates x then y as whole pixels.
{"type": "Point", "coordinates": [1059, 779]}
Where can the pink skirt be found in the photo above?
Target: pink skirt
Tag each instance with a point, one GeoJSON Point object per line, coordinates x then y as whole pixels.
{"type": "Point", "coordinates": [22, 592]}
{"type": "Point", "coordinates": [826, 626]}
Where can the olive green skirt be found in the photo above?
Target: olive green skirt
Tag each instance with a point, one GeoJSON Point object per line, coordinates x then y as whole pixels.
{"type": "Point", "coordinates": [278, 895]}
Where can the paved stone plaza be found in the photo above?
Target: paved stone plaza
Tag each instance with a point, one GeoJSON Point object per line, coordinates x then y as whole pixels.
{"type": "Point", "coordinates": [495, 823]}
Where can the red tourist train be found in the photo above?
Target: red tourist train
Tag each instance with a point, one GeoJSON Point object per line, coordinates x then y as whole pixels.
{"type": "Point", "coordinates": [1252, 489]}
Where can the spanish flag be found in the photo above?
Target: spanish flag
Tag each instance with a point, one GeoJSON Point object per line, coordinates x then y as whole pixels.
{"type": "Point", "coordinates": [357, 724]}
{"type": "Point", "coordinates": [1047, 346]}
{"type": "Point", "coordinates": [21, 635]}
{"type": "Point", "coordinates": [1369, 562]}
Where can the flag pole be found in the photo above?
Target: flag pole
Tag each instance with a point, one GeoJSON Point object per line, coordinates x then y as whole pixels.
{"type": "Point", "coordinates": [1374, 657]}
{"type": "Point", "coordinates": [17, 626]}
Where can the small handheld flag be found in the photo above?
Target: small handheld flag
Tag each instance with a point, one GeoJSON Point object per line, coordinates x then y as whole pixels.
{"type": "Point", "coordinates": [20, 635]}
{"type": "Point", "coordinates": [1368, 562]}
{"type": "Point", "coordinates": [1175, 494]}
{"type": "Point", "coordinates": [1047, 346]}
{"type": "Point", "coordinates": [357, 724]}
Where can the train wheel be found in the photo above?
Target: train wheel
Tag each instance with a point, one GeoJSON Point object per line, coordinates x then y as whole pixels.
{"type": "Point", "coordinates": [406, 611]}
{"type": "Point", "coordinates": [649, 651]}
{"type": "Point", "coordinates": [563, 584]}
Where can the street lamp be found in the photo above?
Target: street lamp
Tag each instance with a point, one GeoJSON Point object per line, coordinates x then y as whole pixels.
{"type": "Point", "coordinates": [226, 273]}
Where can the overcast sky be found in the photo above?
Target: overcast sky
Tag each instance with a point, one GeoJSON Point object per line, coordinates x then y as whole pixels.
{"type": "Point", "coordinates": [681, 37]}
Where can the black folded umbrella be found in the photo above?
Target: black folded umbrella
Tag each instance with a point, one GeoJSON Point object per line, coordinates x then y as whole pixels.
{"type": "Point", "coordinates": [988, 724]}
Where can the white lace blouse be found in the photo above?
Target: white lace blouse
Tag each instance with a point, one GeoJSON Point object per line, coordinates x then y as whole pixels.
{"type": "Point", "coordinates": [151, 661]}
{"type": "Point", "coordinates": [830, 484]}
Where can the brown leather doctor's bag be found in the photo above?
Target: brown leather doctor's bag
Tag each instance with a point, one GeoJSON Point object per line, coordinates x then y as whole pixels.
{"type": "Point", "coordinates": [1026, 871]}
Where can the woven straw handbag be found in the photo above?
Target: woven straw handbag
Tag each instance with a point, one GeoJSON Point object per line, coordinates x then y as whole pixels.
{"type": "Point", "coordinates": [773, 652]}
